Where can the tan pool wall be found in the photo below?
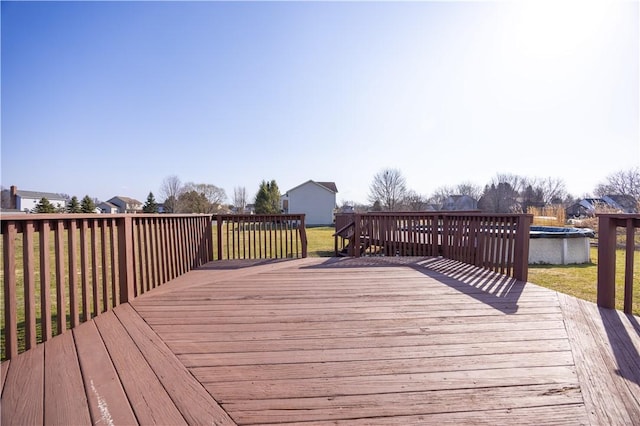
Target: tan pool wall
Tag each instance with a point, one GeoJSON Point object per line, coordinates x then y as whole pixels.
{"type": "Point", "coordinates": [559, 251]}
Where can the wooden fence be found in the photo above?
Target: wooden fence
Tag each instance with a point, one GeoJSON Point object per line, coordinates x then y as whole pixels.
{"type": "Point", "coordinates": [67, 268]}
{"type": "Point", "coordinates": [261, 236]}
{"type": "Point", "coordinates": [608, 225]}
{"type": "Point", "coordinates": [498, 242]}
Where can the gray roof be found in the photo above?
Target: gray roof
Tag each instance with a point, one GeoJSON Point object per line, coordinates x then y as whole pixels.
{"type": "Point", "coordinates": [127, 200]}
{"type": "Point", "coordinates": [37, 195]}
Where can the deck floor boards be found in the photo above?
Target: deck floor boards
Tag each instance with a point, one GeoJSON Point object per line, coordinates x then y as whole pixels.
{"type": "Point", "coordinates": [342, 341]}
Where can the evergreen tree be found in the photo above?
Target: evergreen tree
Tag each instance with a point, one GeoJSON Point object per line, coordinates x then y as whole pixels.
{"type": "Point", "coordinates": [44, 206]}
{"type": "Point", "coordinates": [150, 206]}
{"type": "Point", "coordinates": [87, 205]}
{"type": "Point", "coordinates": [74, 205]}
{"type": "Point", "coordinates": [268, 198]}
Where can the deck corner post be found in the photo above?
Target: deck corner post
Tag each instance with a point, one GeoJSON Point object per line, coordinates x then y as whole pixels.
{"type": "Point", "coordinates": [303, 236]}
{"type": "Point", "coordinates": [125, 254]}
{"type": "Point", "coordinates": [521, 248]}
{"type": "Point", "coordinates": [606, 262]}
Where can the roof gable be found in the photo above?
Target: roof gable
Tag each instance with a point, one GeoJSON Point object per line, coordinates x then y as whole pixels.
{"type": "Point", "coordinates": [126, 200]}
{"type": "Point", "coordinates": [329, 186]}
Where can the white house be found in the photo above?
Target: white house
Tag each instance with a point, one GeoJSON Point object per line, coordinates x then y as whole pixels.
{"type": "Point", "coordinates": [107, 207]}
{"type": "Point", "coordinates": [317, 200]}
{"type": "Point", "coordinates": [27, 200]}
{"type": "Point", "coordinates": [126, 204]}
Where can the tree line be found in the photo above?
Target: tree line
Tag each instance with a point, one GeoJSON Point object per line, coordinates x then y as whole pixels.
{"type": "Point", "coordinates": [388, 191]}
{"type": "Point", "coordinates": [505, 193]}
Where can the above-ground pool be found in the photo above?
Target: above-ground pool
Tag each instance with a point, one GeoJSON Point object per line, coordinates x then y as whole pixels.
{"type": "Point", "coordinates": [559, 246]}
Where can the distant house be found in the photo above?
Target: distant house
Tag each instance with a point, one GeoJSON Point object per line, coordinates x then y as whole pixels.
{"type": "Point", "coordinates": [26, 201]}
{"type": "Point", "coordinates": [459, 203]}
{"type": "Point", "coordinates": [317, 200]}
{"type": "Point", "coordinates": [107, 207]}
{"type": "Point", "coordinates": [126, 204]}
{"type": "Point", "coordinates": [587, 207]}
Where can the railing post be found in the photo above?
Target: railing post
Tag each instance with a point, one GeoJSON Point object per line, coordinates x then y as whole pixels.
{"type": "Point", "coordinates": [628, 268]}
{"type": "Point", "coordinates": [209, 240]}
{"type": "Point", "coordinates": [355, 252]}
{"type": "Point", "coordinates": [126, 256]}
{"type": "Point", "coordinates": [219, 235]}
{"type": "Point", "coordinates": [303, 236]}
{"type": "Point", "coordinates": [606, 262]}
{"type": "Point", "coordinates": [10, 305]}
{"type": "Point", "coordinates": [521, 248]}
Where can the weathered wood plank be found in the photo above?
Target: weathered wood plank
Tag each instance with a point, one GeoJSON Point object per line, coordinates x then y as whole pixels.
{"type": "Point", "coordinates": [197, 343]}
{"type": "Point", "coordinates": [403, 404]}
{"type": "Point", "coordinates": [335, 338]}
{"type": "Point", "coordinates": [376, 383]}
{"type": "Point", "coordinates": [190, 397]}
{"type": "Point", "coordinates": [419, 325]}
{"type": "Point", "coordinates": [65, 402]}
{"type": "Point", "coordinates": [596, 379]}
{"type": "Point", "coordinates": [108, 403]}
{"type": "Point", "coordinates": [619, 353]}
{"type": "Point", "coordinates": [148, 398]}
{"type": "Point", "coordinates": [296, 370]}
{"type": "Point", "coordinates": [4, 368]}
{"type": "Point", "coordinates": [555, 415]}
{"type": "Point", "coordinates": [425, 351]}
{"type": "Point", "coordinates": [23, 391]}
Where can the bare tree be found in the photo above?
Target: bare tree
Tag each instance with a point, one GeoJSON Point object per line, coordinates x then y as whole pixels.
{"type": "Point", "coordinates": [214, 196]}
{"type": "Point", "coordinates": [622, 182]}
{"type": "Point", "coordinates": [553, 190]}
{"type": "Point", "coordinates": [413, 201]}
{"type": "Point", "coordinates": [240, 198]}
{"type": "Point", "coordinates": [388, 187]}
{"type": "Point", "coordinates": [170, 190]}
{"type": "Point", "coordinates": [467, 188]}
{"type": "Point", "coordinates": [441, 194]}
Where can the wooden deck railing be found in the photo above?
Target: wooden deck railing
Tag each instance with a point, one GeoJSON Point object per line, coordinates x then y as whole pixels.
{"type": "Point", "coordinates": [261, 236]}
{"type": "Point", "coordinates": [491, 241]}
{"type": "Point", "coordinates": [67, 268]}
{"type": "Point", "coordinates": [608, 225]}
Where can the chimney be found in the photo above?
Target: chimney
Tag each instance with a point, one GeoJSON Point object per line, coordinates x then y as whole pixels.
{"type": "Point", "coordinates": [14, 194]}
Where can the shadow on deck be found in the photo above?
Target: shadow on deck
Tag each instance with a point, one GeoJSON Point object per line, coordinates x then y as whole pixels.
{"type": "Point", "coordinates": [356, 341]}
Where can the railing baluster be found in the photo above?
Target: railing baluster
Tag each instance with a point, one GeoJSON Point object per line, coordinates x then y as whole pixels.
{"type": "Point", "coordinates": [10, 297]}
{"type": "Point", "coordinates": [73, 273]}
{"type": "Point", "coordinates": [29, 285]}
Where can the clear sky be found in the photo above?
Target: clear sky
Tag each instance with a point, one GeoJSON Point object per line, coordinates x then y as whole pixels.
{"type": "Point", "coordinates": [109, 98]}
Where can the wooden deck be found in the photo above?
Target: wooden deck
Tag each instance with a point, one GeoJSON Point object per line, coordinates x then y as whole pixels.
{"type": "Point", "coordinates": [339, 341]}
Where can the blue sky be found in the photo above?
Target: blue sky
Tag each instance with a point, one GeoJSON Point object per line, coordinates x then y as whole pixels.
{"type": "Point", "coordinates": [109, 98]}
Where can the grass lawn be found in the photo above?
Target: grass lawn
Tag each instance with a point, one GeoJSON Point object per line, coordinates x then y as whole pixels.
{"type": "Point", "coordinates": [580, 280]}
{"type": "Point", "coordinates": [320, 242]}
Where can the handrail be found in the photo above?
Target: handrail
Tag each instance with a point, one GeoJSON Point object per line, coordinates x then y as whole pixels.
{"type": "Point", "coordinates": [607, 244]}
{"type": "Point", "coordinates": [94, 262]}
{"type": "Point", "coordinates": [251, 236]}
{"type": "Point", "coordinates": [498, 242]}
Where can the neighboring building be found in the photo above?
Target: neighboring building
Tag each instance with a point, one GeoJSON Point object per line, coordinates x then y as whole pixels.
{"type": "Point", "coordinates": [587, 207]}
{"type": "Point", "coordinates": [26, 201]}
{"type": "Point", "coordinates": [317, 200]}
{"type": "Point", "coordinates": [107, 207]}
{"type": "Point", "coordinates": [459, 203]}
{"type": "Point", "coordinates": [126, 204]}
